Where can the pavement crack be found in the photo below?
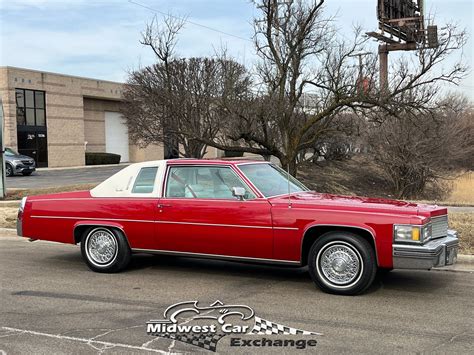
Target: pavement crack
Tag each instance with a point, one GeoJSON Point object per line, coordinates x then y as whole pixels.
{"type": "Point", "coordinates": [98, 345]}
{"type": "Point", "coordinates": [449, 341]}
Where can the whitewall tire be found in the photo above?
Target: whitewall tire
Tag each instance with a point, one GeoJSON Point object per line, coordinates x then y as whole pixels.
{"type": "Point", "coordinates": [105, 249]}
{"type": "Point", "coordinates": [342, 263]}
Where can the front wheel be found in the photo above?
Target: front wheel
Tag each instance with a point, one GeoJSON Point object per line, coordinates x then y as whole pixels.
{"type": "Point", "coordinates": [342, 263]}
{"type": "Point", "coordinates": [105, 249]}
{"type": "Point", "coordinates": [26, 173]}
{"type": "Point", "coordinates": [8, 170]}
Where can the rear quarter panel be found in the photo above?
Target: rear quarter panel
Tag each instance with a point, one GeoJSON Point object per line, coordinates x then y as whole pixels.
{"type": "Point", "coordinates": [54, 219]}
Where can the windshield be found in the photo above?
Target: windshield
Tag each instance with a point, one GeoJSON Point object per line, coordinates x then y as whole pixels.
{"type": "Point", "coordinates": [10, 152]}
{"type": "Point", "coordinates": [270, 179]}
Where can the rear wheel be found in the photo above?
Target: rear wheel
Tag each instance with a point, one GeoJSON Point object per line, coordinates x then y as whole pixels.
{"type": "Point", "coordinates": [105, 249]}
{"type": "Point", "coordinates": [342, 263]}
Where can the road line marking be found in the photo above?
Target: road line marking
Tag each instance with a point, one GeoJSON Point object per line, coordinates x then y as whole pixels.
{"type": "Point", "coordinates": [90, 341]}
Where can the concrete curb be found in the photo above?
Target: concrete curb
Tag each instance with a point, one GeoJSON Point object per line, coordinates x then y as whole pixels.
{"type": "Point", "coordinates": [10, 203]}
{"type": "Point", "coordinates": [465, 262]}
{"type": "Point", "coordinates": [466, 259]}
{"type": "Point", "coordinates": [8, 232]}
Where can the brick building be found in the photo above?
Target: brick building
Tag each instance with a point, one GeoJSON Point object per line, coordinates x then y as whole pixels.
{"type": "Point", "coordinates": [56, 118]}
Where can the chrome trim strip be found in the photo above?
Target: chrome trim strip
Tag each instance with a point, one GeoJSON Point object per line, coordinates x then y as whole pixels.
{"type": "Point", "coordinates": [224, 225]}
{"type": "Point", "coordinates": [79, 224]}
{"type": "Point", "coordinates": [341, 225]}
{"type": "Point", "coordinates": [287, 228]}
{"type": "Point", "coordinates": [95, 219]}
{"type": "Point", "coordinates": [253, 185]}
{"type": "Point", "coordinates": [165, 222]}
{"type": "Point", "coordinates": [253, 162]}
{"type": "Point", "coordinates": [213, 256]}
{"type": "Point", "coordinates": [227, 166]}
{"type": "Point", "coordinates": [136, 198]}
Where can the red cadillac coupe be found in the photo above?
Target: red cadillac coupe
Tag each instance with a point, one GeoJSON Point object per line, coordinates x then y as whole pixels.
{"type": "Point", "coordinates": [243, 211]}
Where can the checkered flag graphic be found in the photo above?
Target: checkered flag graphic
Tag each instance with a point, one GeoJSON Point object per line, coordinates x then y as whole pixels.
{"type": "Point", "coordinates": [263, 326]}
{"type": "Point", "coordinates": [206, 341]}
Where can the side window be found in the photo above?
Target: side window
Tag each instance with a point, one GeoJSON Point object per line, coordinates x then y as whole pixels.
{"type": "Point", "coordinates": [204, 182]}
{"type": "Point", "coordinates": [145, 181]}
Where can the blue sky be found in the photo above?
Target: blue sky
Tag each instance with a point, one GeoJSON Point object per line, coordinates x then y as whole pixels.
{"type": "Point", "coordinates": [100, 38]}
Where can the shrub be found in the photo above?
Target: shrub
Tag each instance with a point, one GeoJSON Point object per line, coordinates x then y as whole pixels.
{"type": "Point", "coordinates": [417, 151]}
{"type": "Point", "coordinates": [102, 158]}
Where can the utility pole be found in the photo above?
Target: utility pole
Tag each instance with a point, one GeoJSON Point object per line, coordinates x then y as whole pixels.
{"type": "Point", "coordinates": [2, 161]}
{"type": "Point", "coordinates": [383, 67]}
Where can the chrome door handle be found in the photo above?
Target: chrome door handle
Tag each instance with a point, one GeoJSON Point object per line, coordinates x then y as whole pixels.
{"type": "Point", "coordinates": [161, 205]}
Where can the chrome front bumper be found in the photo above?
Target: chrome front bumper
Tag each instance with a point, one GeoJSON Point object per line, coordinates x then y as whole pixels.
{"type": "Point", "coordinates": [24, 168]}
{"type": "Point", "coordinates": [435, 253]}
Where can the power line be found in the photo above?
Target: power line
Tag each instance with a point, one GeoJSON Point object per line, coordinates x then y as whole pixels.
{"type": "Point", "coordinates": [190, 22]}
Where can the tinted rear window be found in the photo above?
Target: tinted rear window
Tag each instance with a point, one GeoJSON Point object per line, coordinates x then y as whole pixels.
{"type": "Point", "coordinates": [145, 181]}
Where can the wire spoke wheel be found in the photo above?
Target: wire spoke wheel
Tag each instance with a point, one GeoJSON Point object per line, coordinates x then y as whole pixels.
{"type": "Point", "coordinates": [340, 264]}
{"type": "Point", "coordinates": [101, 247]}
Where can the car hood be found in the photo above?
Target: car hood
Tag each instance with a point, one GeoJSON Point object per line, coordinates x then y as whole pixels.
{"type": "Point", "coordinates": [18, 157]}
{"type": "Point", "coordinates": [311, 199]}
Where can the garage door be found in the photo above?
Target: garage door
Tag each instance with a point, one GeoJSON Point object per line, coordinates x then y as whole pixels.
{"type": "Point", "coordinates": [116, 135]}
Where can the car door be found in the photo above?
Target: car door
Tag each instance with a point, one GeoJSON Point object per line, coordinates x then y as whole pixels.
{"type": "Point", "coordinates": [199, 214]}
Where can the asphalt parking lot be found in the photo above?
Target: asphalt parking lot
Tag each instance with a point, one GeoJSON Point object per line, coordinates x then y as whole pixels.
{"type": "Point", "coordinates": [62, 177]}
{"type": "Point", "coordinates": [52, 303]}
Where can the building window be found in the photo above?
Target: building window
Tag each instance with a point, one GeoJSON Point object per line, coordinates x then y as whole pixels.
{"type": "Point", "coordinates": [30, 107]}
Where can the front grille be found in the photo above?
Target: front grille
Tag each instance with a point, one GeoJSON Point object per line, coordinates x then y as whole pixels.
{"type": "Point", "coordinates": [439, 226]}
{"type": "Point", "coordinates": [27, 162]}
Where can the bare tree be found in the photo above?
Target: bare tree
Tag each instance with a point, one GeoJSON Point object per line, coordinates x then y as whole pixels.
{"type": "Point", "coordinates": [178, 101]}
{"type": "Point", "coordinates": [175, 100]}
{"type": "Point", "coordinates": [301, 56]}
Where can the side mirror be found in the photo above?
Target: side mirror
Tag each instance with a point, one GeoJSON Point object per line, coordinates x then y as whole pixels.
{"type": "Point", "coordinates": [238, 192]}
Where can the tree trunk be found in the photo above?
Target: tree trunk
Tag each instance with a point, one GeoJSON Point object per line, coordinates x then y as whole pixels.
{"type": "Point", "coordinates": [194, 149]}
{"type": "Point", "coordinates": [288, 163]}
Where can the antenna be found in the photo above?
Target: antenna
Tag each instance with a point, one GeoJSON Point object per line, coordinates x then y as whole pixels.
{"type": "Point", "coordinates": [288, 180]}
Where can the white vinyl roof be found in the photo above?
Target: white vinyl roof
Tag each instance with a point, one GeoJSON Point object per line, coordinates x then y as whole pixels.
{"type": "Point", "coordinates": [121, 183]}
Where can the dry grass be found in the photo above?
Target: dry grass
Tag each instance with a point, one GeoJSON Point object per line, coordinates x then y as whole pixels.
{"type": "Point", "coordinates": [17, 194]}
{"type": "Point", "coordinates": [461, 194]}
{"type": "Point", "coordinates": [463, 222]}
{"type": "Point", "coordinates": [463, 190]}
{"type": "Point", "coordinates": [8, 217]}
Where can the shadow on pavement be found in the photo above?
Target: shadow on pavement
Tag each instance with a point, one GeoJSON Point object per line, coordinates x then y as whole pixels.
{"type": "Point", "coordinates": [425, 282]}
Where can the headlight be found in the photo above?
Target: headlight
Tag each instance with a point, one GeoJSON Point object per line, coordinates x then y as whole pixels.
{"type": "Point", "coordinates": [412, 233]}
{"type": "Point", "coordinates": [17, 162]}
